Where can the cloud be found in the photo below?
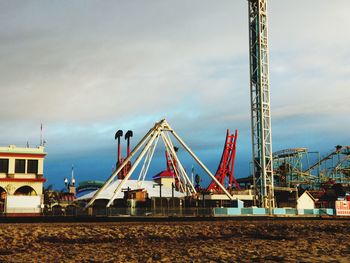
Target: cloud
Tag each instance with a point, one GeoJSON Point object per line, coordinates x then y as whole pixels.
{"type": "Point", "coordinates": [87, 64]}
{"type": "Point", "coordinates": [86, 69]}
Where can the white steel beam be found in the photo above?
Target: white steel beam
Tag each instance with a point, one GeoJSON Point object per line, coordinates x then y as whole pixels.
{"type": "Point", "coordinates": [115, 173]}
{"type": "Point", "coordinates": [172, 161]}
{"type": "Point", "coordinates": [147, 162]}
{"type": "Point", "coordinates": [183, 172]}
{"type": "Point", "coordinates": [181, 187]}
{"type": "Point", "coordinates": [154, 136]}
{"type": "Point", "coordinates": [201, 164]}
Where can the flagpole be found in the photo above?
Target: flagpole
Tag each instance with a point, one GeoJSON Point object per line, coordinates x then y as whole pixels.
{"type": "Point", "coordinates": [41, 134]}
{"type": "Point", "coordinates": [192, 173]}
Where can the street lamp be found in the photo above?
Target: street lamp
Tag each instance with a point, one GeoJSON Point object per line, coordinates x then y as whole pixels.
{"type": "Point", "coordinates": [70, 185]}
{"type": "Point", "coordinates": [66, 182]}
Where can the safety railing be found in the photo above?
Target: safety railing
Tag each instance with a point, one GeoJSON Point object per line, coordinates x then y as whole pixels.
{"type": "Point", "coordinates": [132, 212]}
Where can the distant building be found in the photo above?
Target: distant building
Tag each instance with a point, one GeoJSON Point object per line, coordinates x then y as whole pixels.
{"type": "Point", "coordinates": [21, 180]}
{"type": "Point", "coordinates": [86, 187]}
{"type": "Point", "coordinates": [306, 201]}
{"type": "Point", "coordinates": [165, 178]}
{"type": "Point", "coordinates": [150, 187]}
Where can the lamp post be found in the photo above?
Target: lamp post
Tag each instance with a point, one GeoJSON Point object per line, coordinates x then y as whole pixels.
{"type": "Point", "coordinates": [160, 192]}
{"type": "Point", "coordinates": [70, 185]}
{"type": "Point", "coordinates": [203, 199]}
{"type": "Point", "coordinates": [172, 189]}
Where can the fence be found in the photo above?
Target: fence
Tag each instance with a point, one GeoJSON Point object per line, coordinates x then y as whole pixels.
{"type": "Point", "coordinates": [112, 211]}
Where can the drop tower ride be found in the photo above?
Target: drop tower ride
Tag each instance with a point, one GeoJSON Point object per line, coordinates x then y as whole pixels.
{"type": "Point", "coordinates": [260, 103]}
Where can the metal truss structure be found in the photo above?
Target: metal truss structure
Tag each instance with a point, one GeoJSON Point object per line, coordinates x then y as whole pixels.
{"type": "Point", "coordinates": [260, 102]}
{"type": "Point", "coordinates": [145, 148]}
{"type": "Point", "coordinates": [289, 165]}
{"type": "Point", "coordinates": [340, 171]}
{"type": "Point", "coordinates": [292, 167]}
{"type": "Point", "coordinates": [334, 166]}
{"type": "Point", "coordinates": [225, 171]}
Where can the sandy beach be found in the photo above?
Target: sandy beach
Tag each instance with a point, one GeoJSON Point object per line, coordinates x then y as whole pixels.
{"type": "Point", "coordinates": [224, 241]}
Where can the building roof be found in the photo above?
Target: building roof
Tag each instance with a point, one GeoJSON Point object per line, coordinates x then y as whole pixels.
{"type": "Point", "coordinates": [150, 186]}
{"type": "Point", "coordinates": [90, 184]}
{"type": "Point", "coordinates": [12, 149]}
{"type": "Point", "coordinates": [316, 194]}
{"type": "Point", "coordinates": [309, 194]}
{"type": "Point", "coordinates": [163, 174]}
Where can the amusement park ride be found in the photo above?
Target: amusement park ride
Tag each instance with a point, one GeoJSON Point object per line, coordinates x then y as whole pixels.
{"type": "Point", "coordinates": [261, 129]}
{"type": "Point", "coordinates": [260, 103]}
{"type": "Point", "coordinates": [120, 159]}
{"type": "Point", "coordinates": [145, 148]}
{"type": "Point", "coordinates": [283, 169]}
{"type": "Point", "coordinates": [226, 165]}
{"type": "Point", "coordinates": [292, 167]}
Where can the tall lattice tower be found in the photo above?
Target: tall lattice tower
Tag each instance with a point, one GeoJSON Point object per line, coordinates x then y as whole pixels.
{"type": "Point", "coordinates": [260, 102]}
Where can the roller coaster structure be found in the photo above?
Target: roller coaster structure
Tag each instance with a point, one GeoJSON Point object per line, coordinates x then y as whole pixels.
{"type": "Point", "coordinates": [225, 171]}
{"type": "Point", "coordinates": [292, 167]}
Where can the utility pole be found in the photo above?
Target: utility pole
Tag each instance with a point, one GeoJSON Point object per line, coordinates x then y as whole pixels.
{"type": "Point", "coordinates": [260, 102]}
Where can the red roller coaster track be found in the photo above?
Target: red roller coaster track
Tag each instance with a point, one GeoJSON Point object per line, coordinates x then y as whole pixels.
{"type": "Point", "coordinates": [226, 167]}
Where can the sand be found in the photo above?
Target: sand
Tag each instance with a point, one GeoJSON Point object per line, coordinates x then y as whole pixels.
{"type": "Point", "coordinates": [224, 241]}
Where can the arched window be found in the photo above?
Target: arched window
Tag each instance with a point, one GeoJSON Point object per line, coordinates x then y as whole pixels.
{"type": "Point", "coordinates": [2, 193]}
{"type": "Point", "coordinates": [25, 190]}
{"type": "Point", "coordinates": [2, 199]}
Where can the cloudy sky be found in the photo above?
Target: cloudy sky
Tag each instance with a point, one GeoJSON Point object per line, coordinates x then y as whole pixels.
{"type": "Point", "coordinates": [87, 68]}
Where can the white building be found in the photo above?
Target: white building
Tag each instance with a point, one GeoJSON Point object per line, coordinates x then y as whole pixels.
{"type": "Point", "coordinates": [151, 187]}
{"type": "Point", "coordinates": [21, 180]}
{"type": "Point", "coordinates": [306, 201]}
